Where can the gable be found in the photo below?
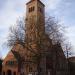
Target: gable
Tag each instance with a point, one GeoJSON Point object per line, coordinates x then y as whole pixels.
{"type": "Point", "coordinates": [10, 57]}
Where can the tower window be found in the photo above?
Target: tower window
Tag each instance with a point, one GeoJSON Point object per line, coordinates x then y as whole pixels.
{"type": "Point", "coordinates": [31, 9]}
{"type": "Point", "coordinates": [40, 9]}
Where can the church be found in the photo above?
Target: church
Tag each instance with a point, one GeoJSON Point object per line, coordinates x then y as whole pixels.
{"type": "Point", "coordinates": [39, 56]}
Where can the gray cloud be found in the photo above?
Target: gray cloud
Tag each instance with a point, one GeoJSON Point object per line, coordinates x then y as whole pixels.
{"type": "Point", "coordinates": [10, 10]}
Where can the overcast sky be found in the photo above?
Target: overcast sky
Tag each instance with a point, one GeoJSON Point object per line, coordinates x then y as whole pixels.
{"type": "Point", "coordinates": [11, 10]}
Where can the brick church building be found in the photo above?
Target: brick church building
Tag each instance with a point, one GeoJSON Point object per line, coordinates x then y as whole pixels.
{"type": "Point", "coordinates": [39, 56]}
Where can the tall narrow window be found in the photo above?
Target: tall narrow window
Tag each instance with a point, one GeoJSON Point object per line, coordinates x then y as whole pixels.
{"type": "Point", "coordinates": [33, 8]}
{"type": "Point", "coordinates": [29, 9]}
{"type": "Point", "coordinates": [3, 73]}
{"type": "Point", "coordinates": [30, 69]}
{"type": "Point", "coordinates": [14, 73]}
{"type": "Point", "coordinates": [40, 9]}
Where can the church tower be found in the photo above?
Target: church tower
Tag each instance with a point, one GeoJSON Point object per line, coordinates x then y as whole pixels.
{"type": "Point", "coordinates": [35, 20]}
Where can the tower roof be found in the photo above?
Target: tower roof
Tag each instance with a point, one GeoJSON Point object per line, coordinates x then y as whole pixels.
{"type": "Point", "coordinates": [35, 0]}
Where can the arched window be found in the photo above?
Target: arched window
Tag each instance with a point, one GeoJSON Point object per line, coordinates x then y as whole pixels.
{"type": "Point", "coordinates": [3, 73]}
{"type": "Point", "coordinates": [40, 10]}
{"type": "Point", "coordinates": [31, 9]}
{"type": "Point", "coordinates": [9, 72]}
{"type": "Point", "coordinates": [14, 73]}
{"type": "Point", "coordinates": [30, 69]}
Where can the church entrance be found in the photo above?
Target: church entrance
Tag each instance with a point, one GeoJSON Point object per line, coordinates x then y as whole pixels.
{"type": "Point", "coordinates": [9, 72]}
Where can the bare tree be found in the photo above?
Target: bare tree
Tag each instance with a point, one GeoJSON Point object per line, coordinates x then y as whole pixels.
{"type": "Point", "coordinates": [56, 33]}
{"type": "Point", "coordinates": [17, 33]}
{"type": "Point", "coordinates": [68, 50]}
{"type": "Point", "coordinates": [54, 30]}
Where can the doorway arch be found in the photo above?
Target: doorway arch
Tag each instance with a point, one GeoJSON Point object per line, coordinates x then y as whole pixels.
{"type": "Point", "coordinates": [9, 72]}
